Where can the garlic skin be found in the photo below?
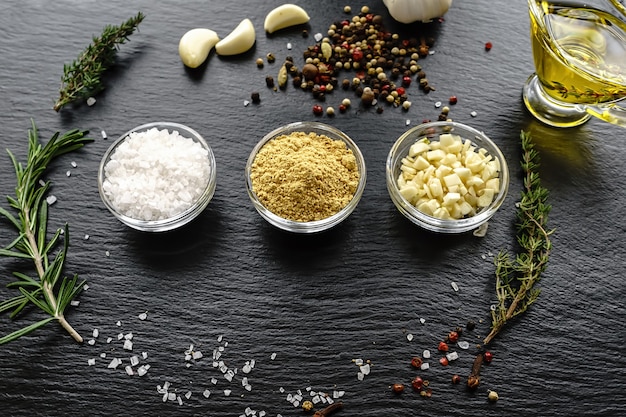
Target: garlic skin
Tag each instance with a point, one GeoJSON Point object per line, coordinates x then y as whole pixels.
{"type": "Point", "coordinates": [409, 11]}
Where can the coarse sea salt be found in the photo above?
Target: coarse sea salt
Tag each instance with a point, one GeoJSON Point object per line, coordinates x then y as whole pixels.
{"type": "Point", "coordinates": [156, 174]}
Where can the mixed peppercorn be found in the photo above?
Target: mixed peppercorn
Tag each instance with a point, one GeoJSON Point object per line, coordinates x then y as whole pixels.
{"type": "Point", "coordinates": [359, 55]}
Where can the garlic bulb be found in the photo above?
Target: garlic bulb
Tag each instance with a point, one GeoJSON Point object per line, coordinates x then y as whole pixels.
{"type": "Point", "coordinates": [409, 11]}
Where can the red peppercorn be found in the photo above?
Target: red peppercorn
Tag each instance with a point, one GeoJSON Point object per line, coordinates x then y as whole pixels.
{"type": "Point", "coordinates": [417, 383]}
{"type": "Point", "coordinates": [443, 347]}
{"type": "Point", "coordinates": [444, 361]}
{"type": "Point", "coordinates": [456, 379]}
{"type": "Point", "coordinates": [453, 337]}
{"type": "Point", "coordinates": [453, 100]}
{"type": "Point", "coordinates": [488, 356]}
{"type": "Point", "coordinates": [401, 91]}
{"type": "Point", "coordinates": [416, 362]}
{"type": "Point", "coordinates": [406, 81]}
{"type": "Point", "coordinates": [322, 88]}
{"type": "Point", "coordinates": [397, 388]}
{"type": "Point", "coordinates": [488, 46]}
{"type": "Point", "coordinates": [357, 55]}
{"type": "Point", "coordinates": [318, 110]}
{"type": "Point", "coordinates": [342, 108]}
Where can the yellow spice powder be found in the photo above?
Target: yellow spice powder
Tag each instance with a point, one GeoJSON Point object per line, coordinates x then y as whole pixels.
{"type": "Point", "coordinates": [304, 176]}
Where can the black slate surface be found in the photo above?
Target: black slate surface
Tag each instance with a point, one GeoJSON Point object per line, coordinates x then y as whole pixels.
{"type": "Point", "coordinates": [317, 302]}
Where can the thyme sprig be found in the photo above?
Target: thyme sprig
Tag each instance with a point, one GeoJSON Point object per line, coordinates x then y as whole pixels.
{"type": "Point", "coordinates": [82, 78]}
{"type": "Point", "coordinates": [588, 94]}
{"type": "Point", "coordinates": [516, 278]}
{"type": "Point", "coordinates": [45, 290]}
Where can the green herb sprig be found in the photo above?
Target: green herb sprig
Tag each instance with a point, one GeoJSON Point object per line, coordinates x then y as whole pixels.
{"type": "Point", "coordinates": [45, 290]}
{"type": "Point", "coordinates": [82, 78]}
{"type": "Point", "coordinates": [516, 278]}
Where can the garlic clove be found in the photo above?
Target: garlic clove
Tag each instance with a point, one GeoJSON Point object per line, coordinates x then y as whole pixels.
{"type": "Point", "coordinates": [239, 40]}
{"type": "Point", "coordinates": [285, 16]}
{"type": "Point", "coordinates": [409, 11]}
{"type": "Point", "coordinates": [195, 45]}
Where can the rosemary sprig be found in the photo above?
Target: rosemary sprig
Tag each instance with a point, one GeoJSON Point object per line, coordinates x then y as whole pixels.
{"type": "Point", "coordinates": [516, 279]}
{"type": "Point", "coordinates": [82, 78]}
{"type": "Point", "coordinates": [46, 290]}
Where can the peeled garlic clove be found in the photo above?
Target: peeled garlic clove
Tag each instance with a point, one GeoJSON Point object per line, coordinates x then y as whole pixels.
{"type": "Point", "coordinates": [409, 11]}
{"type": "Point", "coordinates": [195, 45]}
{"type": "Point", "coordinates": [285, 16]}
{"type": "Point", "coordinates": [239, 40]}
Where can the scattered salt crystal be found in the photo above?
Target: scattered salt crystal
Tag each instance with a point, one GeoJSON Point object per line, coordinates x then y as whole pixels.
{"type": "Point", "coordinates": [134, 360]}
{"type": "Point", "coordinates": [144, 355]}
{"type": "Point", "coordinates": [129, 370]}
{"type": "Point", "coordinates": [171, 396]}
{"type": "Point", "coordinates": [358, 362]}
{"type": "Point", "coordinates": [229, 376]}
{"type": "Point", "coordinates": [142, 370]}
{"type": "Point", "coordinates": [109, 339]}
{"type": "Point", "coordinates": [68, 173]}
{"type": "Point", "coordinates": [289, 45]}
{"type": "Point", "coordinates": [426, 354]}
{"type": "Point", "coordinates": [73, 164]}
{"type": "Point", "coordinates": [452, 356]}
{"type": "Point", "coordinates": [103, 355]}
{"type": "Point", "coordinates": [281, 390]}
{"type": "Point", "coordinates": [273, 356]}
{"type": "Point", "coordinates": [246, 368]}
{"type": "Point", "coordinates": [318, 37]}
{"type": "Point", "coordinates": [409, 337]}
{"type": "Point", "coordinates": [360, 376]}
{"type": "Point", "coordinates": [128, 345]}
{"type": "Point", "coordinates": [424, 366]}
{"type": "Point", "coordinates": [85, 287]}
{"type": "Point", "coordinates": [115, 362]}
{"type": "Point", "coordinates": [219, 338]}
{"type": "Point", "coordinates": [473, 114]}
{"type": "Point", "coordinates": [107, 253]}
{"type": "Point", "coordinates": [104, 134]}
{"type": "Point", "coordinates": [120, 336]}
{"type": "Point", "coordinates": [261, 413]}
{"type": "Point", "coordinates": [118, 324]}
{"type": "Point", "coordinates": [438, 104]}
{"type": "Point", "coordinates": [91, 362]}
{"type": "Point", "coordinates": [196, 355]}
{"type": "Point", "coordinates": [96, 333]}
{"type": "Point", "coordinates": [128, 336]}
{"type": "Point", "coordinates": [86, 237]}
{"type": "Point", "coordinates": [481, 231]}
{"type": "Point", "coordinates": [365, 369]}
{"type": "Point", "coordinates": [246, 103]}
{"type": "Point", "coordinates": [431, 52]}
{"type": "Point", "coordinates": [74, 303]}
{"type": "Point", "coordinates": [213, 381]}
{"type": "Point", "coordinates": [91, 342]}
{"type": "Point", "coordinates": [42, 183]}
{"type": "Point", "coordinates": [492, 307]}
{"type": "Point", "coordinates": [455, 287]}
{"type": "Point", "coordinates": [180, 400]}
{"type": "Point", "coordinates": [206, 393]}
{"type": "Point", "coordinates": [165, 395]}
{"type": "Point", "coordinates": [422, 320]}
{"type": "Point", "coordinates": [463, 344]}
{"type": "Point", "coordinates": [188, 394]}
{"type": "Point", "coordinates": [408, 122]}
{"type": "Point", "coordinates": [51, 200]}
{"type": "Point", "coordinates": [227, 392]}
{"type": "Point", "coordinates": [91, 101]}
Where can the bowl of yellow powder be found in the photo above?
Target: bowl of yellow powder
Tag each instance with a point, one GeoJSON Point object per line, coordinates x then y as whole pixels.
{"type": "Point", "coordinates": [305, 177]}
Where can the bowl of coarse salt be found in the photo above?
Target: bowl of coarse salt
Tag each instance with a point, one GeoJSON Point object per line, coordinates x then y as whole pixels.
{"type": "Point", "coordinates": [157, 177]}
{"type": "Point", "coordinates": [447, 177]}
{"type": "Point", "coordinates": [305, 177]}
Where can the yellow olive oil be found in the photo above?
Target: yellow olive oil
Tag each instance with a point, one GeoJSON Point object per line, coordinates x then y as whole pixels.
{"type": "Point", "coordinates": [579, 52]}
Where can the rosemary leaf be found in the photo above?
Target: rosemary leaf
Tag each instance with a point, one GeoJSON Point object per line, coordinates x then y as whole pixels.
{"type": "Point", "coordinates": [31, 221]}
{"type": "Point", "coordinates": [82, 78]}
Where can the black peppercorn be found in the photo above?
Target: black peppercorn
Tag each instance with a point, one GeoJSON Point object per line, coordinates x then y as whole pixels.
{"type": "Point", "coordinates": [256, 97]}
{"type": "Point", "coordinates": [269, 81]}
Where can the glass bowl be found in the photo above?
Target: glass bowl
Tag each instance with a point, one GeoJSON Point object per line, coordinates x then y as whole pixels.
{"type": "Point", "coordinates": [316, 225]}
{"type": "Point", "coordinates": [459, 223]}
{"type": "Point", "coordinates": [156, 184]}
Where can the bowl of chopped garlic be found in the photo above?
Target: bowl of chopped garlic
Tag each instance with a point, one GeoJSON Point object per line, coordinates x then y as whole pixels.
{"type": "Point", "coordinates": [157, 177]}
{"type": "Point", "coordinates": [446, 177]}
{"type": "Point", "coordinates": [305, 177]}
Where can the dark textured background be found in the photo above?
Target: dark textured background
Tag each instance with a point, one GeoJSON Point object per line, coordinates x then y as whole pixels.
{"type": "Point", "coordinates": [316, 301]}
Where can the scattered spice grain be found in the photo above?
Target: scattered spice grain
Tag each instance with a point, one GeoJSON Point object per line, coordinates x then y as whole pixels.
{"type": "Point", "coordinates": [304, 176]}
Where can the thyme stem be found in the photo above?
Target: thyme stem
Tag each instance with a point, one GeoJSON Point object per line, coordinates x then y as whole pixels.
{"type": "Point", "coordinates": [82, 78]}
{"type": "Point", "coordinates": [516, 279]}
